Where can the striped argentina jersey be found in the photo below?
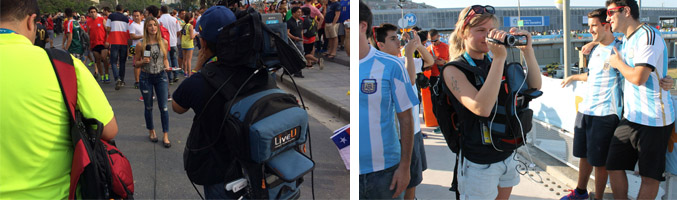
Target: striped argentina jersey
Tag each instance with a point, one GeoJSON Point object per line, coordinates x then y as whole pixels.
{"type": "Point", "coordinates": [604, 84]}
{"type": "Point", "coordinates": [384, 87]}
{"type": "Point", "coordinates": [647, 104]}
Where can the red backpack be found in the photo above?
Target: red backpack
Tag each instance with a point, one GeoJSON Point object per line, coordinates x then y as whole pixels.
{"type": "Point", "coordinates": [98, 165]}
{"type": "Point", "coordinates": [165, 35]}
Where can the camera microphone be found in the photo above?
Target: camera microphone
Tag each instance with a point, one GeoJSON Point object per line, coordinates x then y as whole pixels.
{"type": "Point", "coordinates": [146, 53]}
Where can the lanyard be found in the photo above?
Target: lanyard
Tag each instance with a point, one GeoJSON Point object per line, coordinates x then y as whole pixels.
{"type": "Point", "coordinates": [6, 31]}
{"type": "Point", "coordinates": [211, 60]}
{"type": "Point", "coordinates": [472, 63]}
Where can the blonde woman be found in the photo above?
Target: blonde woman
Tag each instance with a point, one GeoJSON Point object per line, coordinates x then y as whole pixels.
{"type": "Point", "coordinates": [151, 57]}
{"type": "Point", "coordinates": [484, 172]}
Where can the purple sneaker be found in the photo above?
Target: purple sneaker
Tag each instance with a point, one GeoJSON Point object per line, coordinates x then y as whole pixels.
{"type": "Point", "coordinates": [575, 196]}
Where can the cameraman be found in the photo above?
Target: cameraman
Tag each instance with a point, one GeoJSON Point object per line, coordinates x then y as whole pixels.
{"type": "Point", "coordinates": [485, 172]}
{"type": "Point", "coordinates": [192, 93]}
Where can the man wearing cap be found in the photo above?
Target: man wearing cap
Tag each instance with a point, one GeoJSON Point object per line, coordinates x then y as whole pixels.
{"type": "Point", "coordinates": [192, 93]}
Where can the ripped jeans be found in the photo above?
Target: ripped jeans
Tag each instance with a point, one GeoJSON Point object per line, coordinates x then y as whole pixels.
{"type": "Point", "coordinates": [158, 82]}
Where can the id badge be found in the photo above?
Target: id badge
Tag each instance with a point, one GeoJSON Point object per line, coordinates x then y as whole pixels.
{"type": "Point", "coordinates": [486, 135]}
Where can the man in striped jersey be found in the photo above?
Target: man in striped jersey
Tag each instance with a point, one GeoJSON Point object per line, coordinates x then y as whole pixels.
{"type": "Point", "coordinates": [117, 27]}
{"type": "Point", "coordinates": [384, 87]}
{"type": "Point", "coordinates": [649, 117]}
{"type": "Point", "coordinates": [599, 113]}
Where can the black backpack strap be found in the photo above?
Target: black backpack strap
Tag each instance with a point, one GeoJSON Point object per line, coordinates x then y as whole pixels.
{"type": "Point", "coordinates": [463, 66]}
{"type": "Point", "coordinates": [454, 180]}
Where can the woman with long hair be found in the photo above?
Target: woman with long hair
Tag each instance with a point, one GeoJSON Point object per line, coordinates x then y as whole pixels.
{"type": "Point", "coordinates": [151, 57]}
{"type": "Point", "coordinates": [484, 171]}
{"type": "Point", "coordinates": [187, 37]}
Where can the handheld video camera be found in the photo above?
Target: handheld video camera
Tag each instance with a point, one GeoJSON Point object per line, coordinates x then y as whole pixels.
{"type": "Point", "coordinates": [511, 40]}
{"type": "Point", "coordinates": [258, 40]}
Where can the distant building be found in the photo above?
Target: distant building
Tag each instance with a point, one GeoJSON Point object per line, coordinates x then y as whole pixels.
{"type": "Point", "coordinates": [394, 4]}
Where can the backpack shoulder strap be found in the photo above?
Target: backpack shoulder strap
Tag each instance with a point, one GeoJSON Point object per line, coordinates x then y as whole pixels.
{"type": "Point", "coordinates": [62, 62]}
{"type": "Point", "coordinates": [463, 66]}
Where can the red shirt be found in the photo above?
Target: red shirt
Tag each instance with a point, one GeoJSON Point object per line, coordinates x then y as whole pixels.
{"type": "Point", "coordinates": [97, 31]}
{"type": "Point", "coordinates": [50, 24]}
{"type": "Point", "coordinates": [68, 25]}
{"type": "Point", "coordinates": [440, 51]}
{"type": "Point", "coordinates": [83, 25]}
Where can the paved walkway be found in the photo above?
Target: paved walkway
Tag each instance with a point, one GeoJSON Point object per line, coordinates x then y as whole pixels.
{"type": "Point", "coordinates": [327, 87]}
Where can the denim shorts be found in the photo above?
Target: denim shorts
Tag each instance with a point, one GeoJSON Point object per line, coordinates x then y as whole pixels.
{"type": "Point", "coordinates": [419, 163]}
{"type": "Point", "coordinates": [480, 181]}
{"type": "Point", "coordinates": [376, 185]}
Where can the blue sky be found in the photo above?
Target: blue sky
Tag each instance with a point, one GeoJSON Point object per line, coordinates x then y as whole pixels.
{"type": "Point", "coordinates": [513, 3]}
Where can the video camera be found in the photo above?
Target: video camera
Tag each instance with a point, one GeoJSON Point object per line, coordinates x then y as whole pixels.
{"type": "Point", "coordinates": [511, 40]}
{"type": "Point", "coordinates": [259, 40]}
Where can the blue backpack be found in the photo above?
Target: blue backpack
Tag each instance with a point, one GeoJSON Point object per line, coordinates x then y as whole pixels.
{"type": "Point", "coordinates": [264, 135]}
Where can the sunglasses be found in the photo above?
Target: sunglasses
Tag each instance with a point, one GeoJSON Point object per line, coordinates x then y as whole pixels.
{"type": "Point", "coordinates": [612, 11]}
{"type": "Point", "coordinates": [477, 9]}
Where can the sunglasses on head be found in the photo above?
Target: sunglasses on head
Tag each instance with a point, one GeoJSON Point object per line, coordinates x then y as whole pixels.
{"type": "Point", "coordinates": [611, 11]}
{"type": "Point", "coordinates": [477, 9]}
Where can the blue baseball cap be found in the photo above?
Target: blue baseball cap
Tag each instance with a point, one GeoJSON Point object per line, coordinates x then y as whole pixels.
{"type": "Point", "coordinates": [212, 22]}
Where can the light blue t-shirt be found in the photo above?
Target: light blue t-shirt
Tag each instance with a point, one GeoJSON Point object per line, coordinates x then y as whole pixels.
{"type": "Point", "coordinates": [384, 87]}
{"type": "Point", "coordinates": [604, 84]}
{"type": "Point", "coordinates": [647, 104]}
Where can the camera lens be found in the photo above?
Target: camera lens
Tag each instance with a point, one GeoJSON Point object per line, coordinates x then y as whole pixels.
{"type": "Point", "coordinates": [509, 40]}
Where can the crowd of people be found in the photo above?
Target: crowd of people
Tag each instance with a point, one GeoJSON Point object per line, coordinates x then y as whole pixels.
{"type": "Point", "coordinates": [625, 118]}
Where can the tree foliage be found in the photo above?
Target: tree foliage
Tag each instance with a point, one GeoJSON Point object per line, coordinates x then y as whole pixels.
{"type": "Point", "coordinates": [53, 6]}
{"type": "Point", "coordinates": [130, 4]}
{"type": "Point", "coordinates": [81, 6]}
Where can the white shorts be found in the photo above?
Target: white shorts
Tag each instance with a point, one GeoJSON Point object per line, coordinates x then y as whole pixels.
{"type": "Point", "coordinates": [480, 181]}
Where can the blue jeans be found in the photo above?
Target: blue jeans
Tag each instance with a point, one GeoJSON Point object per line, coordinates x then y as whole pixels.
{"type": "Point", "coordinates": [216, 191]}
{"type": "Point", "coordinates": [173, 62]}
{"type": "Point", "coordinates": [118, 53]}
{"type": "Point", "coordinates": [376, 185]}
{"type": "Point", "coordinates": [158, 82]}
